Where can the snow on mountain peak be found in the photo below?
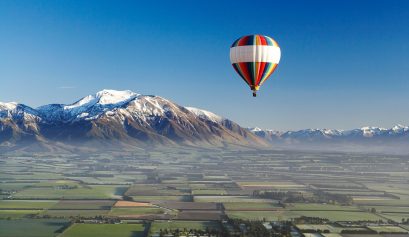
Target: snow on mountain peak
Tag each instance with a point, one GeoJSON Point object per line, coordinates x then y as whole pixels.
{"type": "Point", "coordinates": [88, 107]}
{"type": "Point", "coordinates": [16, 110]}
{"type": "Point", "coordinates": [366, 132]}
{"type": "Point", "coordinates": [8, 106]}
{"type": "Point", "coordinates": [255, 129]}
{"type": "Point", "coordinates": [372, 131]}
{"type": "Point", "coordinates": [114, 96]}
{"type": "Point", "coordinates": [400, 128]}
{"type": "Point", "coordinates": [204, 114]}
{"type": "Point", "coordinates": [104, 97]}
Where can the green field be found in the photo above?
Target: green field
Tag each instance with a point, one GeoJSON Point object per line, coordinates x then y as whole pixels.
{"type": "Point", "coordinates": [388, 229]}
{"type": "Point", "coordinates": [84, 204]}
{"type": "Point", "coordinates": [250, 205]}
{"type": "Point", "coordinates": [395, 216]}
{"type": "Point", "coordinates": [26, 204]}
{"type": "Point", "coordinates": [17, 214]}
{"type": "Point", "coordinates": [72, 213]}
{"type": "Point", "coordinates": [31, 227]}
{"type": "Point", "coordinates": [121, 211]}
{"type": "Point", "coordinates": [389, 209]}
{"type": "Point", "coordinates": [15, 186]}
{"type": "Point", "coordinates": [226, 199]}
{"type": "Point", "coordinates": [318, 207]}
{"type": "Point", "coordinates": [158, 198]}
{"type": "Point", "coordinates": [326, 227]}
{"type": "Point", "coordinates": [155, 190]}
{"type": "Point", "coordinates": [196, 225]}
{"type": "Point", "coordinates": [105, 230]}
{"type": "Point", "coordinates": [81, 192]}
{"type": "Point", "coordinates": [209, 192]}
{"type": "Point", "coordinates": [288, 215]}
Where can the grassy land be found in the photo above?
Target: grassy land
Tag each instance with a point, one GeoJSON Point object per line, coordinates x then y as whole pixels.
{"type": "Point", "coordinates": [198, 225]}
{"type": "Point", "coordinates": [81, 192]}
{"type": "Point", "coordinates": [319, 207]}
{"type": "Point", "coordinates": [84, 204]}
{"type": "Point", "coordinates": [17, 214]}
{"type": "Point", "coordinates": [209, 192]}
{"type": "Point", "coordinates": [15, 186]}
{"type": "Point", "coordinates": [158, 198]}
{"type": "Point", "coordinates": [69, 213]}
{"type": "Point", "coordinates": [135, 211]}
{"type": "Point", "coordinates": [287, 215]}
{"type": "Point", "coordinates": [388, 229]}
{"type": "Point", "coordinates": [30, 227]}
{"type": "Point", "coordinates": [225, 199]}
{"type": "Point", "coordinates": [26, 204]}
{"type": "Point", "coordinates": [395, 216]}
{"type": "Point", "coordinates": [389, 209]}
{"type": "Point", "coordinates": [279, 185]}
{"type": "Point", "coordinates": [249, 205]}
{"type": "Point", "coordinates": [105, 230]}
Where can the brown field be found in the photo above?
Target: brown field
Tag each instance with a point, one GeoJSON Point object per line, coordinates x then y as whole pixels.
{"type": "Point", "coordinates": [190, 205]}
{"type": "Point", "coordinates": [199, 215]}
{"type": "Point", "coordinates": [131, 204]}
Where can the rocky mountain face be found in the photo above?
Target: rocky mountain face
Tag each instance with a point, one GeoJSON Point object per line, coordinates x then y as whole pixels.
{"type": "Point", "coordinates": [121, 118]}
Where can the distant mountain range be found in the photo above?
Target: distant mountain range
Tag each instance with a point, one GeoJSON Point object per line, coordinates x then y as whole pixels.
{"type": "Point", "coordinates": [366, 139]}
{"type": "Point", "coordinates": [129, 120]}
{"type": "Point", "coordinates": [397, 132]}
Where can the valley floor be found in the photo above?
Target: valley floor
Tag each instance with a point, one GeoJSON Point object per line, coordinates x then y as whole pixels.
{"type": "Point", "coordinates": [204, 193]}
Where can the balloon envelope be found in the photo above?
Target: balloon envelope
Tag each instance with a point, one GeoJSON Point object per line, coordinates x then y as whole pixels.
{"type": "Point", "coordinates": [255, 57]}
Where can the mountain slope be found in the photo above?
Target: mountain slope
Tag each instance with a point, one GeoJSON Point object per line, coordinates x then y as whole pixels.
{"type": "Point", "coordinates": [121, 118]}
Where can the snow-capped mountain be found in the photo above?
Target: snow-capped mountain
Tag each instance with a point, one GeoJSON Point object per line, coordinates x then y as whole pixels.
{"type": "Point", "coordinates": [15, 110]}
{"type": "Point", "coordinates": [129, 119]}
{"type": "Point", "coordinates": [124, 117]}
{"type": "Point", "coordinates": [363, 133]}
{"type": "Point", "coordinates": [365, 139]}
{"type": "Point", "coordinates": [206, 115]}
{"type": "Point", "coordinates": [89, 107]}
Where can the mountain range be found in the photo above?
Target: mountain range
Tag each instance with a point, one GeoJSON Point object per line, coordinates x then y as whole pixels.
{"type": "Point", "coordinates": [368, 133]}
{"type": "Point", "coordinates": [118, 118]}
{"type": "Point", "coordinates": [365, 139]}
{"type": "Point", "coordinates": [129, 120]}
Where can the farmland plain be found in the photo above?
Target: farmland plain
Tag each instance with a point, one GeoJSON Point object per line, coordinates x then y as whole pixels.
{"type": "Point", "coordinates": [145, 192]}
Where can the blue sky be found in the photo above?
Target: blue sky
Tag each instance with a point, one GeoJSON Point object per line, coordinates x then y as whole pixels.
{"type": "Point", "coordinates": [344, 64]}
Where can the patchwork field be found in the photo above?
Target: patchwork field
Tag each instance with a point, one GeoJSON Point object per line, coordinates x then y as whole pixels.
{"type": "Point", "coordinates": [202, 190]}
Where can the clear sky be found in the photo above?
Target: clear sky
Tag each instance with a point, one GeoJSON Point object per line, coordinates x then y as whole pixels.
{"type": "Point", "coordinates": [344, 64]}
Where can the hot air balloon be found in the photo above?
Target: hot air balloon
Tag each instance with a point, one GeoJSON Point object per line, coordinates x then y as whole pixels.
{"type": "Point", "coordinates": [255, 57]}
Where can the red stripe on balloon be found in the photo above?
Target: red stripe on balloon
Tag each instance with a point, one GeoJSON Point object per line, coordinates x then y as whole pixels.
{"type": "Point", "coordinates": [263, 40]}
{"type": "Point", "coordinates": [260, 72]}
{"type": "Point", "coordinates": [246, 73]}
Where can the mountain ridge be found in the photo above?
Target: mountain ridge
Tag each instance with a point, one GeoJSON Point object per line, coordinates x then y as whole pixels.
{"type": "Point", "coordinates": [120, 117]}
{"type": "Point", "coordinates": [367, 131]}
{"type": "Point", "coordinates": [128, 119]}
